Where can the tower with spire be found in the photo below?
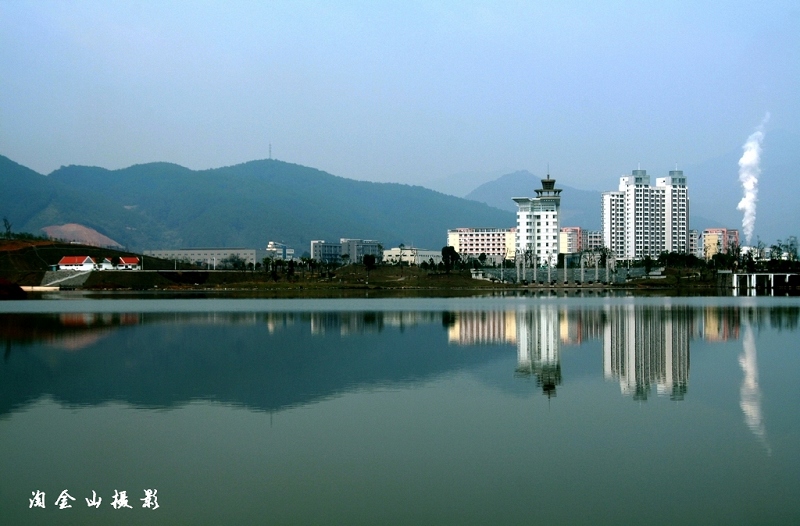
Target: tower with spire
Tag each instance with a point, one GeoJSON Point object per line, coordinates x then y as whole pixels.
{"type": "Point", "coordinates": [538, 225]}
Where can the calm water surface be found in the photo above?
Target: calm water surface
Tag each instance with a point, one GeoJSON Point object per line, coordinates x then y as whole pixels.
{"type": "Point", "coordinates": [437, 411]}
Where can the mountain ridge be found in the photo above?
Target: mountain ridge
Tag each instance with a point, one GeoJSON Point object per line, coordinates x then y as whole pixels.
{"type": "Point", "coordinates": [164, 205]}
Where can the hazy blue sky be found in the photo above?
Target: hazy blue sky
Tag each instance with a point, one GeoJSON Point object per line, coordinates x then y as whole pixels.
{"type": "Point", "coordinates": [395, 91]}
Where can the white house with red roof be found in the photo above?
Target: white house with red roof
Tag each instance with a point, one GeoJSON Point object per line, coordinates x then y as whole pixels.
{"type": "Point", "coordinates": [103, 265]}
{"type": "Point", "coordinates": [128, 263]}
{"type": "Point", "coordinates": [76, 263]}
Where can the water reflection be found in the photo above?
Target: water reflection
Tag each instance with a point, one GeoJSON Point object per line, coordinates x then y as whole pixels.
{"type": "Point", "coordinates": [750, 392]}
{"type": "Point", "coordinates": [273, 360]}
{"type": "Point", "coordinates": [642, 347]}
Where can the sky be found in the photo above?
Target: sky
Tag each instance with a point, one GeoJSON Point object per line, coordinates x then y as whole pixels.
{"type": "Point", "coordinates": [401, 91]}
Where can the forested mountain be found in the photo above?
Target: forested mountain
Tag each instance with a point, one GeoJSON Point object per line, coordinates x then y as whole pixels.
{"type": "Point", "coordinates": [161, 205]}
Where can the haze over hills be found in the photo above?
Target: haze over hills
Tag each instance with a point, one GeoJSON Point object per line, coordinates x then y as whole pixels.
{"type": "Point", "coordinates": [714, 191]}
{"type": "Point", "coordinates": [578, 207]}
{"type": "Point", "coordinates": [162, 205]}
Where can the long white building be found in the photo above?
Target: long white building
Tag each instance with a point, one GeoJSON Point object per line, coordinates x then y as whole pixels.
{"type": "Point", "coordinates": [538, 224]}
{"type": "Point", "coordinates": [496, 243]}
{"type": "Point", "coordinates": [641, 220]}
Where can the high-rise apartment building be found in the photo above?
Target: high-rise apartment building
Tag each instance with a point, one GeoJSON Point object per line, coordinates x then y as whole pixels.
{"type": "Point", "coordinates": [538, 224]}
{"type": "Point", "coordinates": [641, 220]}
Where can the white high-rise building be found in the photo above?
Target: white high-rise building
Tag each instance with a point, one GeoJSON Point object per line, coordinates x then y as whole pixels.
{"type": "Point", "coordinates": [538, 224]}
{"type": "Point", "coordinates": [642, 220]}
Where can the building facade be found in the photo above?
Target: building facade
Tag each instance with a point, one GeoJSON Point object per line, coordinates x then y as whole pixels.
{"type": "Point", "coordinates": [280, 251]}
{"type": "Point", "coordinates": [719, 241]}
{"type": "Point", "coordinates": [538, 225]}
{"type": "Point", "coordinates": [325, 252]}
{"type": "Point", "coordinates": [496, 243]}
{"type": "Point", "coordinates": [695, 247]}
{"type": "Point", "coordinates": [570, 240]}
{"type": "Point", "coordinates": [211, 258]}
{"type": "Point", "coordinates": [411, 256]}
{"type": "Point", "coordinates": [354, 249]}
{"type": "Point", "coordinates": [592, 239]}
{"type": "Point", "coordinates": [642, 220]}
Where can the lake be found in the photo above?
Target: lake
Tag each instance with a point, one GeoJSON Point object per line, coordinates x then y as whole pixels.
{"type": "Point", "coordinates": [495, 410]}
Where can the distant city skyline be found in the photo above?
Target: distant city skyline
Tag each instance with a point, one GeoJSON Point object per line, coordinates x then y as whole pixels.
{"type": "Point", "coordinates": [395, 92]}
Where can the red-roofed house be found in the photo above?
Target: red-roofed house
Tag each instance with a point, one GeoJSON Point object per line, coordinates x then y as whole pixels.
{"type": "Point", "coordinates": [76, 263]}
{"type": "Point", "coordinates": [128, 263]}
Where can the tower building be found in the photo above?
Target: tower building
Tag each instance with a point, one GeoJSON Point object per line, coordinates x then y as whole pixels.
{"type": "Point", "coordinates": [538, 225]}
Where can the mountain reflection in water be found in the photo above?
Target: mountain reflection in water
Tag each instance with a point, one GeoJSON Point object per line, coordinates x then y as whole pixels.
{"type": "Point", "coordinates": [272, 360]}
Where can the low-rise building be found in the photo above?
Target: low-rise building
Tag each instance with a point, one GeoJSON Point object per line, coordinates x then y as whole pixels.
{"type": "Point", "coordinates": [76, 263]}
{"type": "Point", "coordinates": [211, 258]}
{"type": "Point", "coordinates": [354, 249]}
{"type": "Point", "coordinates": [86, 263]}
{"type": "Point", "coordinates": [128, 263]}
{"type": "Point", "coordinates": [325, 252]}
{"type": "Point", "coordinates": [280, 251]}
{"type": "Point", "coordinates": [412, 256]}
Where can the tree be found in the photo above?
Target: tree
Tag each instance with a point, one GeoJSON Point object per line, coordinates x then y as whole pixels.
{"type": "Point", "coordinates": [450, 258]}
{"type": "Point", "coordinates": [345, 259]}
{"type": "Point", "coordinates": [648, 264]}
{"type": "Point", "coordinates": [7, 225]}
{"type": "Point", "coordinates": [790, 247]}
{"type": "Point", "coordinates": [482, 258]}
{"type": "Point", "coordinates": [369, 261]}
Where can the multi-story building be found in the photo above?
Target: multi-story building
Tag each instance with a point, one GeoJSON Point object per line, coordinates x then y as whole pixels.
{"type": "Point", "coordinates": [538, 224]}
{"type": "Point", "coordinates": [719, 241]}
{"type": "Point", "coordinates": [211, 258]}
{"type": "Point", "coordinates": [592, 239]}
{"type": "Point", "coordinates": [570, 240]}
{"type": "Point", "coordinates": [496, 243]}
{"type": "Point", "coordinates": [277, 250]}
{"type": "Point", "coordinates": [354, 249]}
{"type": "Point", "coordinates": [411, 256]}
{"type": "Point", "coordinates": [574, 239]}
{"type": "Point", "coordinates": [642, 220]}
{"type": "Point", "coordinates": [695, 248]}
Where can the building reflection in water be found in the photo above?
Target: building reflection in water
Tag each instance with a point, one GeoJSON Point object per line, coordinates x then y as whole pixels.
{"type": "Point", "coordinates": [535, 331]}
{"type": "Point", "coordinates": [643, 346]}
{"type": "Point", "coordinates": [539, 346]}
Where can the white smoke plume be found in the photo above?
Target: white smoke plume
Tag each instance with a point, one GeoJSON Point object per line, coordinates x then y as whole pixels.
{"type": "Point", "coordinates": [749, 171]}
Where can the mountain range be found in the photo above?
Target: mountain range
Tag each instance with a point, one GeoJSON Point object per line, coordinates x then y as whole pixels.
{"type": "Point", "coordinates": [162, 205]}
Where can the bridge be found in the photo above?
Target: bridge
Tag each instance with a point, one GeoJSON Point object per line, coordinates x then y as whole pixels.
{"type": "Point", "coordinates": [746, 284]}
